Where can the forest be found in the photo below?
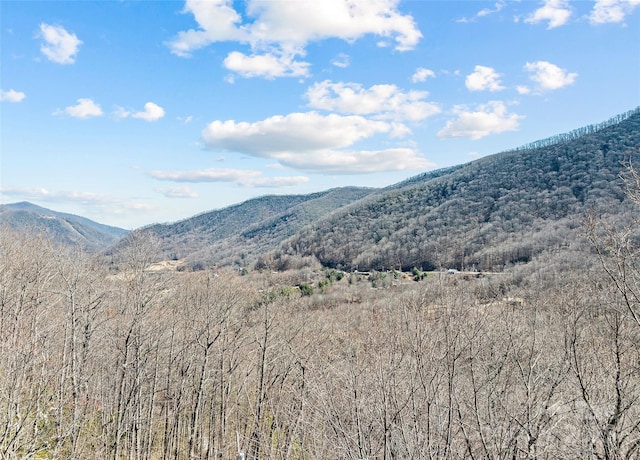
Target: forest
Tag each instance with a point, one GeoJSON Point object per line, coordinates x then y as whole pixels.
{"type": "Point", "coordinates": [488, 214]}
{"type": "Point", "coordinates": [120, 361]}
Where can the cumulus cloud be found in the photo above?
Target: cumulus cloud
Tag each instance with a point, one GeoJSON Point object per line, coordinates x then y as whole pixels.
{"type": "Point", "coordinates": [11, 96]}
{"type": "Point", "coordinates": [242, 177]}
{"type": "Point", "coordinates": [355, 161]}
{"type": "Point", "coordinates": [382, 101]}
{"type": "Point", "coordinates": [421, 74]}
{"type": "Point", "coordinates": [178, 192]}
{"type": "Point", "coordinates": [313, 142]}
{"type": "Point", "coordinates": [548, 76]}
{"type": "Point", "coordinates": [491, 118]}
{"type": "Point", "coordinates": [266, 65]}
{"type": "Point", "coordinates": [556, 12]}
{"type": "Point", "coordinates": [612, 11]}
{"type": "Point", "coordinates": [85, 108]}
{"type": "Point", "coordinates": [218, 21]}
{"type": "Point", "coordinates": [288, 22]}
{"type": "Point", "coordinates": [278, 32]}
{"type": "Point", "coordinates": [483, 79]}
{"type": "Point", "coordinates": [152, 112]}
{"type": "Point", "coordinates": [59, 45]}
{"type": "Point", "coordinates": [301, 132]}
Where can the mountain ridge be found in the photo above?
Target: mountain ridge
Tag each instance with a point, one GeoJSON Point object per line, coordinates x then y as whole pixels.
{"type": "Point", "coordinates": [60, 227]}
{"type": "Point", "coordinates": [459, 217]}
{"type": "Point", "coordinates": [242, 232]}
{"type": "Point", "coordinates": [498, 210]}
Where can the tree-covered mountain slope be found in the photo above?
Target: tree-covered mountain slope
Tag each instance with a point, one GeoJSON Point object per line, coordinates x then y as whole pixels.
{"type": "Point", "coordinates": [497, 210]}
{"type": "Point", "coordinates": [240, 233]}
{"type": "Point", "coordinates": [61, 228]}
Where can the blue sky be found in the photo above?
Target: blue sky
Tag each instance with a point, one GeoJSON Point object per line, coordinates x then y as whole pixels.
{"type": "Point", "coordinates": [135, 112]}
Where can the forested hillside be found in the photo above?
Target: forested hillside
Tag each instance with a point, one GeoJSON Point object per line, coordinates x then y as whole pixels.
{"type": "Point", "coordinates": [60, 227]}
{"type": "Point", "coordinates": [239, 233]}
{"type": "Point", "coordinates": [487, 214]}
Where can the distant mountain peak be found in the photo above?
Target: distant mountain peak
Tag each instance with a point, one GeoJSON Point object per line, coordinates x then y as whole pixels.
{"type": "Point", "coordinates": [62, 228]}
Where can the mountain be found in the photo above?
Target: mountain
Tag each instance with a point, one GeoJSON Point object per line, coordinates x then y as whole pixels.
{"type": "Point", "coordinates": [239, 234]}
{"type": "Point", "coordinates": [496, 211]}
{"type": "Point", "coordinates": [492, 212]}
{"type": "Point", "coordinates": [62, 228]}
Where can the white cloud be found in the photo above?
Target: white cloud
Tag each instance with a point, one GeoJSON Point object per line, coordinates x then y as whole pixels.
{"type": "Point", "coordinates": [93, 205]}
{"type": "Point", "coordinates": [59, 45]}
{"type": "Point", "coordinates": [549, 76]}
{"type": "Point", "coordinates": [341, 60]}
{"type": "Point", "coordinates": [242, 177]}
{"type": "Point", "coordinates": [121, 113]}
{"type": "Point", "coordinates": [483, 79]}
{"type": "Point", "coordinates": [106, 203]}
{"type": "Point", "coordinates": [612, 11]}
{"type": "Point", "coordinates": [521, 89]}
{"type": "Point", "coordinates": [218, 21]}
{"type": "Point", "coordinates": [266, 65]}
{"type": "Point", "coordinates": [25, 191]}
{"type": "Point", "coordinates": [300, 23]}
{"type": "Point", "coordinates": [421, 74]}
{"type": "Point", "coordinates": [206, 175]}
{"type": "Point", "coordinates": [491, 118]}
{"type": "Point", "coordinates": [11, 96]}
{"type": "Point", "coordinates": [278, 31]}
{"type": "Point", "coordinates": [383, 101]}
{"type": "Point", "coordinates": [178, 192]}
{"type": "Point", "coordinates": [498, 6]}
{"type": "Point", "coordinates": [152, 112]}
{"type": "Point", "coordinates": [294, 132]}
{"type": "Point", "coordinates": [556, 12]}
{"type": "Point", "coordinates": [85, 108]}
{"type": "Point", "coordinates": [313, 142]}
{"type": "Point", "coordinates": [355, 161]}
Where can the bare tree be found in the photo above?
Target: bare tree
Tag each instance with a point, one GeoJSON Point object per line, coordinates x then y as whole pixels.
{"type": "Point", "coordinates": [82, 294]}
{"type": "Point", "coordinates": [27, 419]}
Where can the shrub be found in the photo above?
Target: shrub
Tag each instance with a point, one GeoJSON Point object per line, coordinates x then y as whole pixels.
{"type": "Point", "coordinates": [306, 289]}
{"type": "Point", "coordinates": [324, 284]}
